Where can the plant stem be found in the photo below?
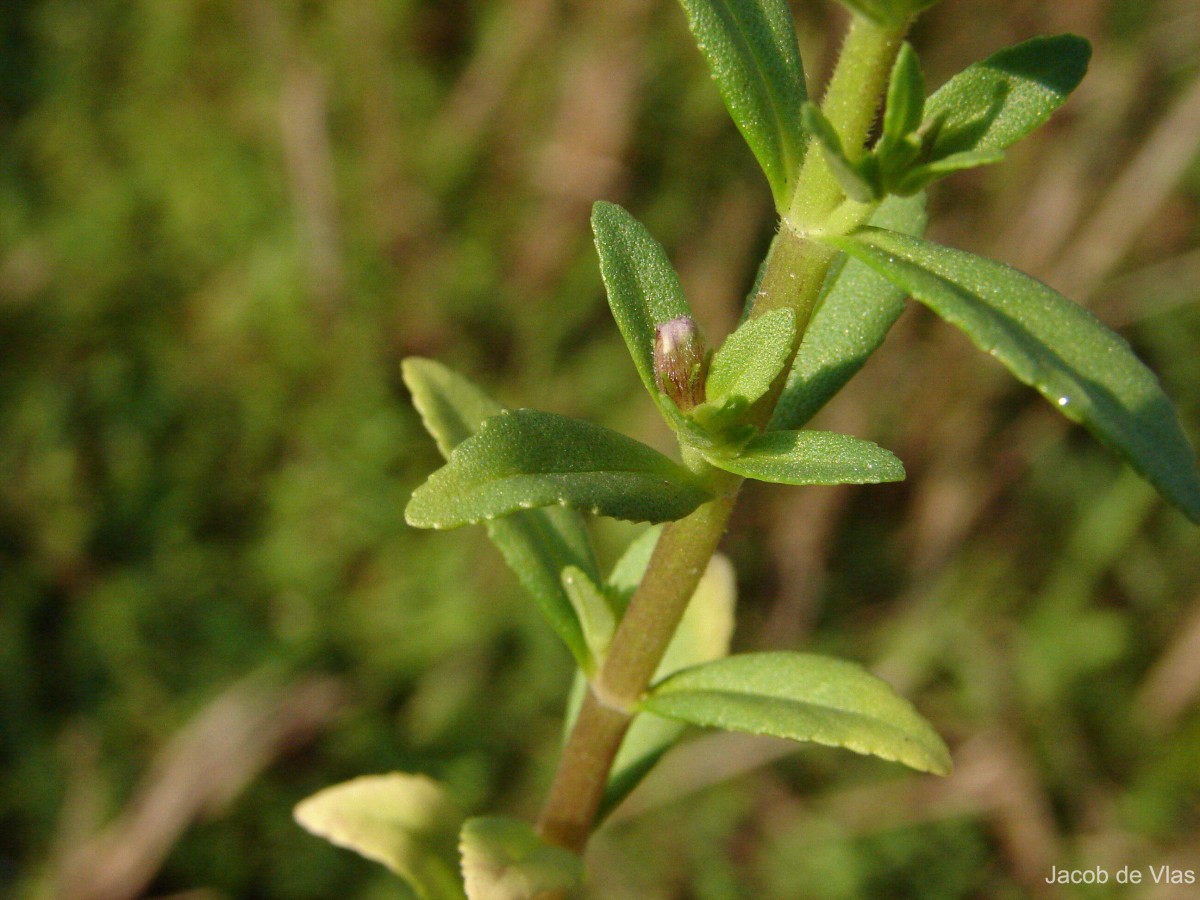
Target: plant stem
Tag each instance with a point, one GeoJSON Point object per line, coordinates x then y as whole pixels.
{"type": "Point", "coordinates": [675, 568]}
{"type": "Point", "coordinates": [850, 104]}
{"type": "Point", "coordinates": [679, 560]}
{"type": "Point", "coordinates": [795, 270]}
{"type": "Point", "coordinates": [797, 265]}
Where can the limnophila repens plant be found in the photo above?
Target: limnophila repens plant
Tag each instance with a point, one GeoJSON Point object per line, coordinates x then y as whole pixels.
{"type": "Point", "coordinates": [651, 637]}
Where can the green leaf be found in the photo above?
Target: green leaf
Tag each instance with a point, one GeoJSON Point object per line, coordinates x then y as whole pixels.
{"type": "Point", "coordinates": [594, 612]}
{"type": "Point", "coordinates": [850, 176]}
{"type": "Point", "coordinates": [858, 308]}
{"type": "Point", "coordinates": [994, 103]}
{"type": "Point", "coordinates": [450, 406]}
{"type": "Point", "coordinates": [526, 458]}
{"type": "Point", "coordinates": [406, 822]}
{"type": "Point", "coordinates": [919, 177]}
{"type": "Point", "coordinates": [905, 97]}
{"type": "Point", "coordinates": [504, 859]}
{"type": "Point", "coordinates": [1089, 373]}
{"type": "Point", "coordinates": [751, 357]}
{"type": "Point", "coordinates": [810, 457]}
{"type": "Point", "coordinates": [537, 544]}
{"type": "Point", "coordinates": [643, 289]}
{"type": "Point", "coordinates": [802, 697]}
{"type": "Point", "coordinates": [751, 50]}
{"type": "Point", "coordinates": [888, 13]}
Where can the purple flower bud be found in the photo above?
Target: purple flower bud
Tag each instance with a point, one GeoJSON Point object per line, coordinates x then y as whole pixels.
{"type": "Point", "coordinates": [680, 361]}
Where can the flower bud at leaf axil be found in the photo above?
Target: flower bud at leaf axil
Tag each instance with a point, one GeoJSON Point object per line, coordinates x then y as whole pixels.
{"type": "Point", "coordinates": [681, 361]}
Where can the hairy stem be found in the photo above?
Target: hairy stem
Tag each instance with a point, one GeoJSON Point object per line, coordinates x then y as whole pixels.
{"type": "Point", "coordinates": [851, 103]}
{"type": "Point", "coordinates": [795, 270]}
{"type": "Point", "coordinates": [796, 264]}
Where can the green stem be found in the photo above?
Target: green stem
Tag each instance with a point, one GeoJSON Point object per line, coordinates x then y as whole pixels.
{"type": "Point", "coordinates": [796, 264]}
{"type": "Point", "coordinates": [679, 559]}
{"type": "Point", "coordinates": [851, 103]}
{"type": "Point", "coordinates": [678, 562]}
{"type": "Point", "coordinates": [795, 270]}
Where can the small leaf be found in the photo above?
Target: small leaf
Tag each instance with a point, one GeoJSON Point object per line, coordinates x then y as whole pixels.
{"type": "Point", "coordinates": [751, 50]}
{"type": "Point", "coordinates": [905, 97]}
{"type": "Point", "coordinates": [853, 317]}
{"type": "Point", "coordinates": [719, 425]}
{"type": "Point", "coordinates": [811, 457]}
{"type": "Point", "coordinates": [919, 177]}
{"type": "Point", "coordinates": [594, 612]}
{"type": "Point", "coordinates": [450, 406]}
{"type": "Point", "coordinates": [850, 175]}
{"type": "Point", "coordinates": [1089, 373]}
{"type": "Point", "coordinates": [526, 458]}
{"type": "Point", "coordinates": [406, 822]}
{"type": "Point", "coordinates": [901, 142]}
{"type": "Point", "coordinates": [537, 544]}
{"type": "Point", "coordinates": [802, 697]}
{"type": "Point", "coordinates": [888, 13]}
{"type": "Point", "coordinates": [751, 357]}
{"type": "Point", "coordinates": [643, 289]}
{"type": "Point", "coordinates": [504, 859]}
{"type": "Point", "coordinates": [994, 103]}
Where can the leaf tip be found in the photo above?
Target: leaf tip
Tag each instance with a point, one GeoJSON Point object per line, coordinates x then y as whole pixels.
{"type": "Point", "coordinates": [943, 765]}
{"type": "Point", "coordinates": [410, 366]}
{"type": "Point", "coordinates": [602, 211]}
{"type": "Point", "coordinates": [417, 512]}
{"type": "Point", "coordinates": [931, 755]}
{"type": "Point", "coordinates": [412, 518]}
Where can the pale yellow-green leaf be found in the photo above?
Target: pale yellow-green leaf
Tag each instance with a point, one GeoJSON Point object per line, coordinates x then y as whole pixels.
{"type": "Point", "coordinates": [594, 611]}
{"type": "Point", "coordinates": [751, 357]}
{"type": "Point", "coordinates": [504, 859]}
{"type": "Point", "coordinates": [406, 822]}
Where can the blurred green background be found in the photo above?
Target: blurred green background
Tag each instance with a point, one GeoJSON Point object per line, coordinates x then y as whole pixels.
{"type": "Point", "coordinates": [222, 226]}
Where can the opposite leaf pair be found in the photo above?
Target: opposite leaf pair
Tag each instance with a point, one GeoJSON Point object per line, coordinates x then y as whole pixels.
{"type": "Point", "coordinates": [549, 551]}
{"type": "Point", "coordinates": [504, 466]}
{"type": "Point", "coordinates": [1046, 341]}
{"type": "Point", "coordinates": [754, 57]}
{"type": "Point", "coordinates": [411, 825]}
{"type": "Point", "coordinates": [409, 822]}
{"type": "Point", "coordinates": [967, 123]}
{"type": "Point", "coordinates": [524, 459]}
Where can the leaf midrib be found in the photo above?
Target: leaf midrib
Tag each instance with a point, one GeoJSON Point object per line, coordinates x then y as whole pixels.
{"type": "Point", "coordinates": [776, 102]}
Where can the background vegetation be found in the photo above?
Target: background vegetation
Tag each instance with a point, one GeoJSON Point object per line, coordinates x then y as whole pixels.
{"type": "Point", "coordinates": [222, 225]}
